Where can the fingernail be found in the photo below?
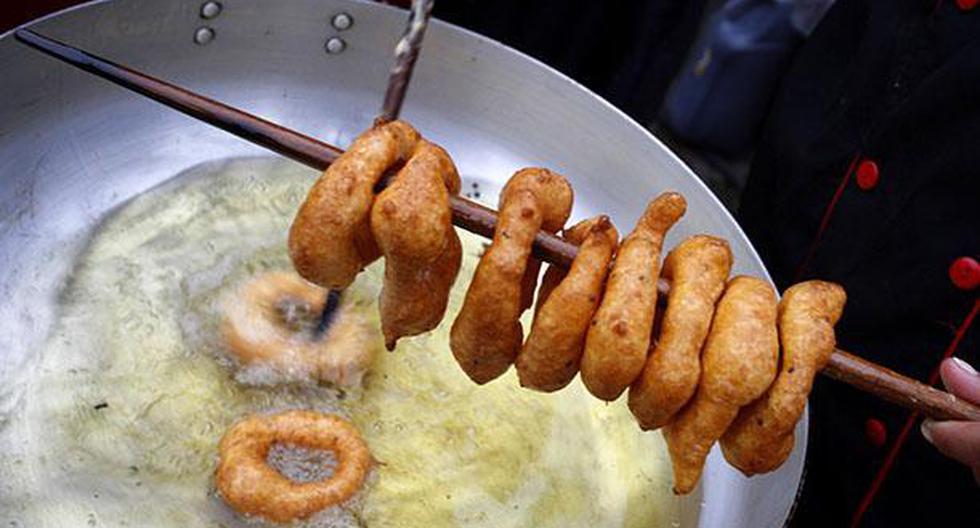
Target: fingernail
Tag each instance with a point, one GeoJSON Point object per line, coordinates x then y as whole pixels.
{"type": "Point", "coordinates": [964, 366]}
{"type": "Point", "coordinates": [926, 428]}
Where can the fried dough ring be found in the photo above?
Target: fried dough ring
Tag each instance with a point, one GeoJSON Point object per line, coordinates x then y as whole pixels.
{"type": "Point", "coordinates": [258, 332]}
{"type": "Point", "coordinates": [330, 241]}
{"type": "Point", "coordinates": [412, 223]}
{"type": "Point", "coordinates": [575, 234]}
{"type": "Point", "coordinates": [698, 269]}
{"type": "Point", "coordinates": [252, 487]}
{"type": "Point", "coordinates": [486, 335]}
{"type": "Point", "coordinates": [617, 343]}
{"type": "Point", "coordinates": [550, 357]}
{"type": "Point", "coordinates": [739, 363]}
{"type": "Point", "coordinates": [761, 437]}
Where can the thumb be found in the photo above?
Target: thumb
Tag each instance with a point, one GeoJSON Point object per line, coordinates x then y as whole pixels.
{"type": "Point", "coordinates": [961, 379]}
{"type": "Point", "coordinates": [958, 440]}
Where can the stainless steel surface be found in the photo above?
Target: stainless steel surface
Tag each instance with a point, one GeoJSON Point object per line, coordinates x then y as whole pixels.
{"type": "Point", "coordinates": [72, 147]}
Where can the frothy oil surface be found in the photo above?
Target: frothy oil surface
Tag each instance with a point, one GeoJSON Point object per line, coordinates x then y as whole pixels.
{"type": "Point", "coordinates": [118, 419]}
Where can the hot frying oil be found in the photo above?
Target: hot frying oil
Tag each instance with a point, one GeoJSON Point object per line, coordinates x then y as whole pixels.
{"type": "Point", "coordinates": [117, 421]}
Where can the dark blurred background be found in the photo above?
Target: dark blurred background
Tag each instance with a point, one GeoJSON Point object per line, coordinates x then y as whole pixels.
{"type": "Point", "coordinates": [16, 12]}
{"type": "Point", "coordinates": [628, 52]}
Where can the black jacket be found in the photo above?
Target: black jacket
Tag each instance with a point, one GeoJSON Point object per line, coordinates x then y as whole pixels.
{"type": "Point", "coordinates": [868, 174]}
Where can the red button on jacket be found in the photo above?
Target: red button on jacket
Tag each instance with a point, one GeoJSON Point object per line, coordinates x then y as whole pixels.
{"type": "Point", "coordinates": [965, 273]}
{"type": "Point", "coordinates": [875, 432]}
{"type": "Point", "coordinates": [967, 5]}
{"type": "Point", "coordinates": [867, 174]}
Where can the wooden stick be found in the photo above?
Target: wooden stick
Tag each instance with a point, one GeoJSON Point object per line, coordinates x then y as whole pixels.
{"type": "Point", "coordinates": [406, 53]}
{"type": "Point", "coordinates": [896, 388]}
{"type": "Point", "coordinates": [471, 216]}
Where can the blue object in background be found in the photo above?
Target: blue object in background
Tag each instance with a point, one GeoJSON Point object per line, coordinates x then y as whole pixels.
{"type": "Point", "coordinates": [720, 97]}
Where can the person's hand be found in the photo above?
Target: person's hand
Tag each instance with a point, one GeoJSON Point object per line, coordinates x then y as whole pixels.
{"type": "Point", "coordinates": [958, 440]}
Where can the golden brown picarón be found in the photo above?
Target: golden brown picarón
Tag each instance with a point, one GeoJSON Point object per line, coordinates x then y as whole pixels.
{"type": "Point", "coordinates": [761, 437]}
{"type": "Point", "coordinates": [550, 357]}
{"type": "Point", "coordinates": [698, 270]}
{"type": "Point", "coordinates": [617, 343]}
{"type": "Point", "coordinates": [251, 486]}
{"type": "Point", "coordinates": [412, 224]}
{"type": "Point", "coordinates": [330, 240]}
{"type": "Point", "coordinates": [738, 364]}
{"type": "Point", "coordinates": [259, 331]}
{"type": "Point", "coordinates": [487, 333]}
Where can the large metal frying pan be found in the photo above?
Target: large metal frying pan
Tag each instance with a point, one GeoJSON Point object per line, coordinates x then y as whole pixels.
{"type": "Point", "coordinates": [73, 147]}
